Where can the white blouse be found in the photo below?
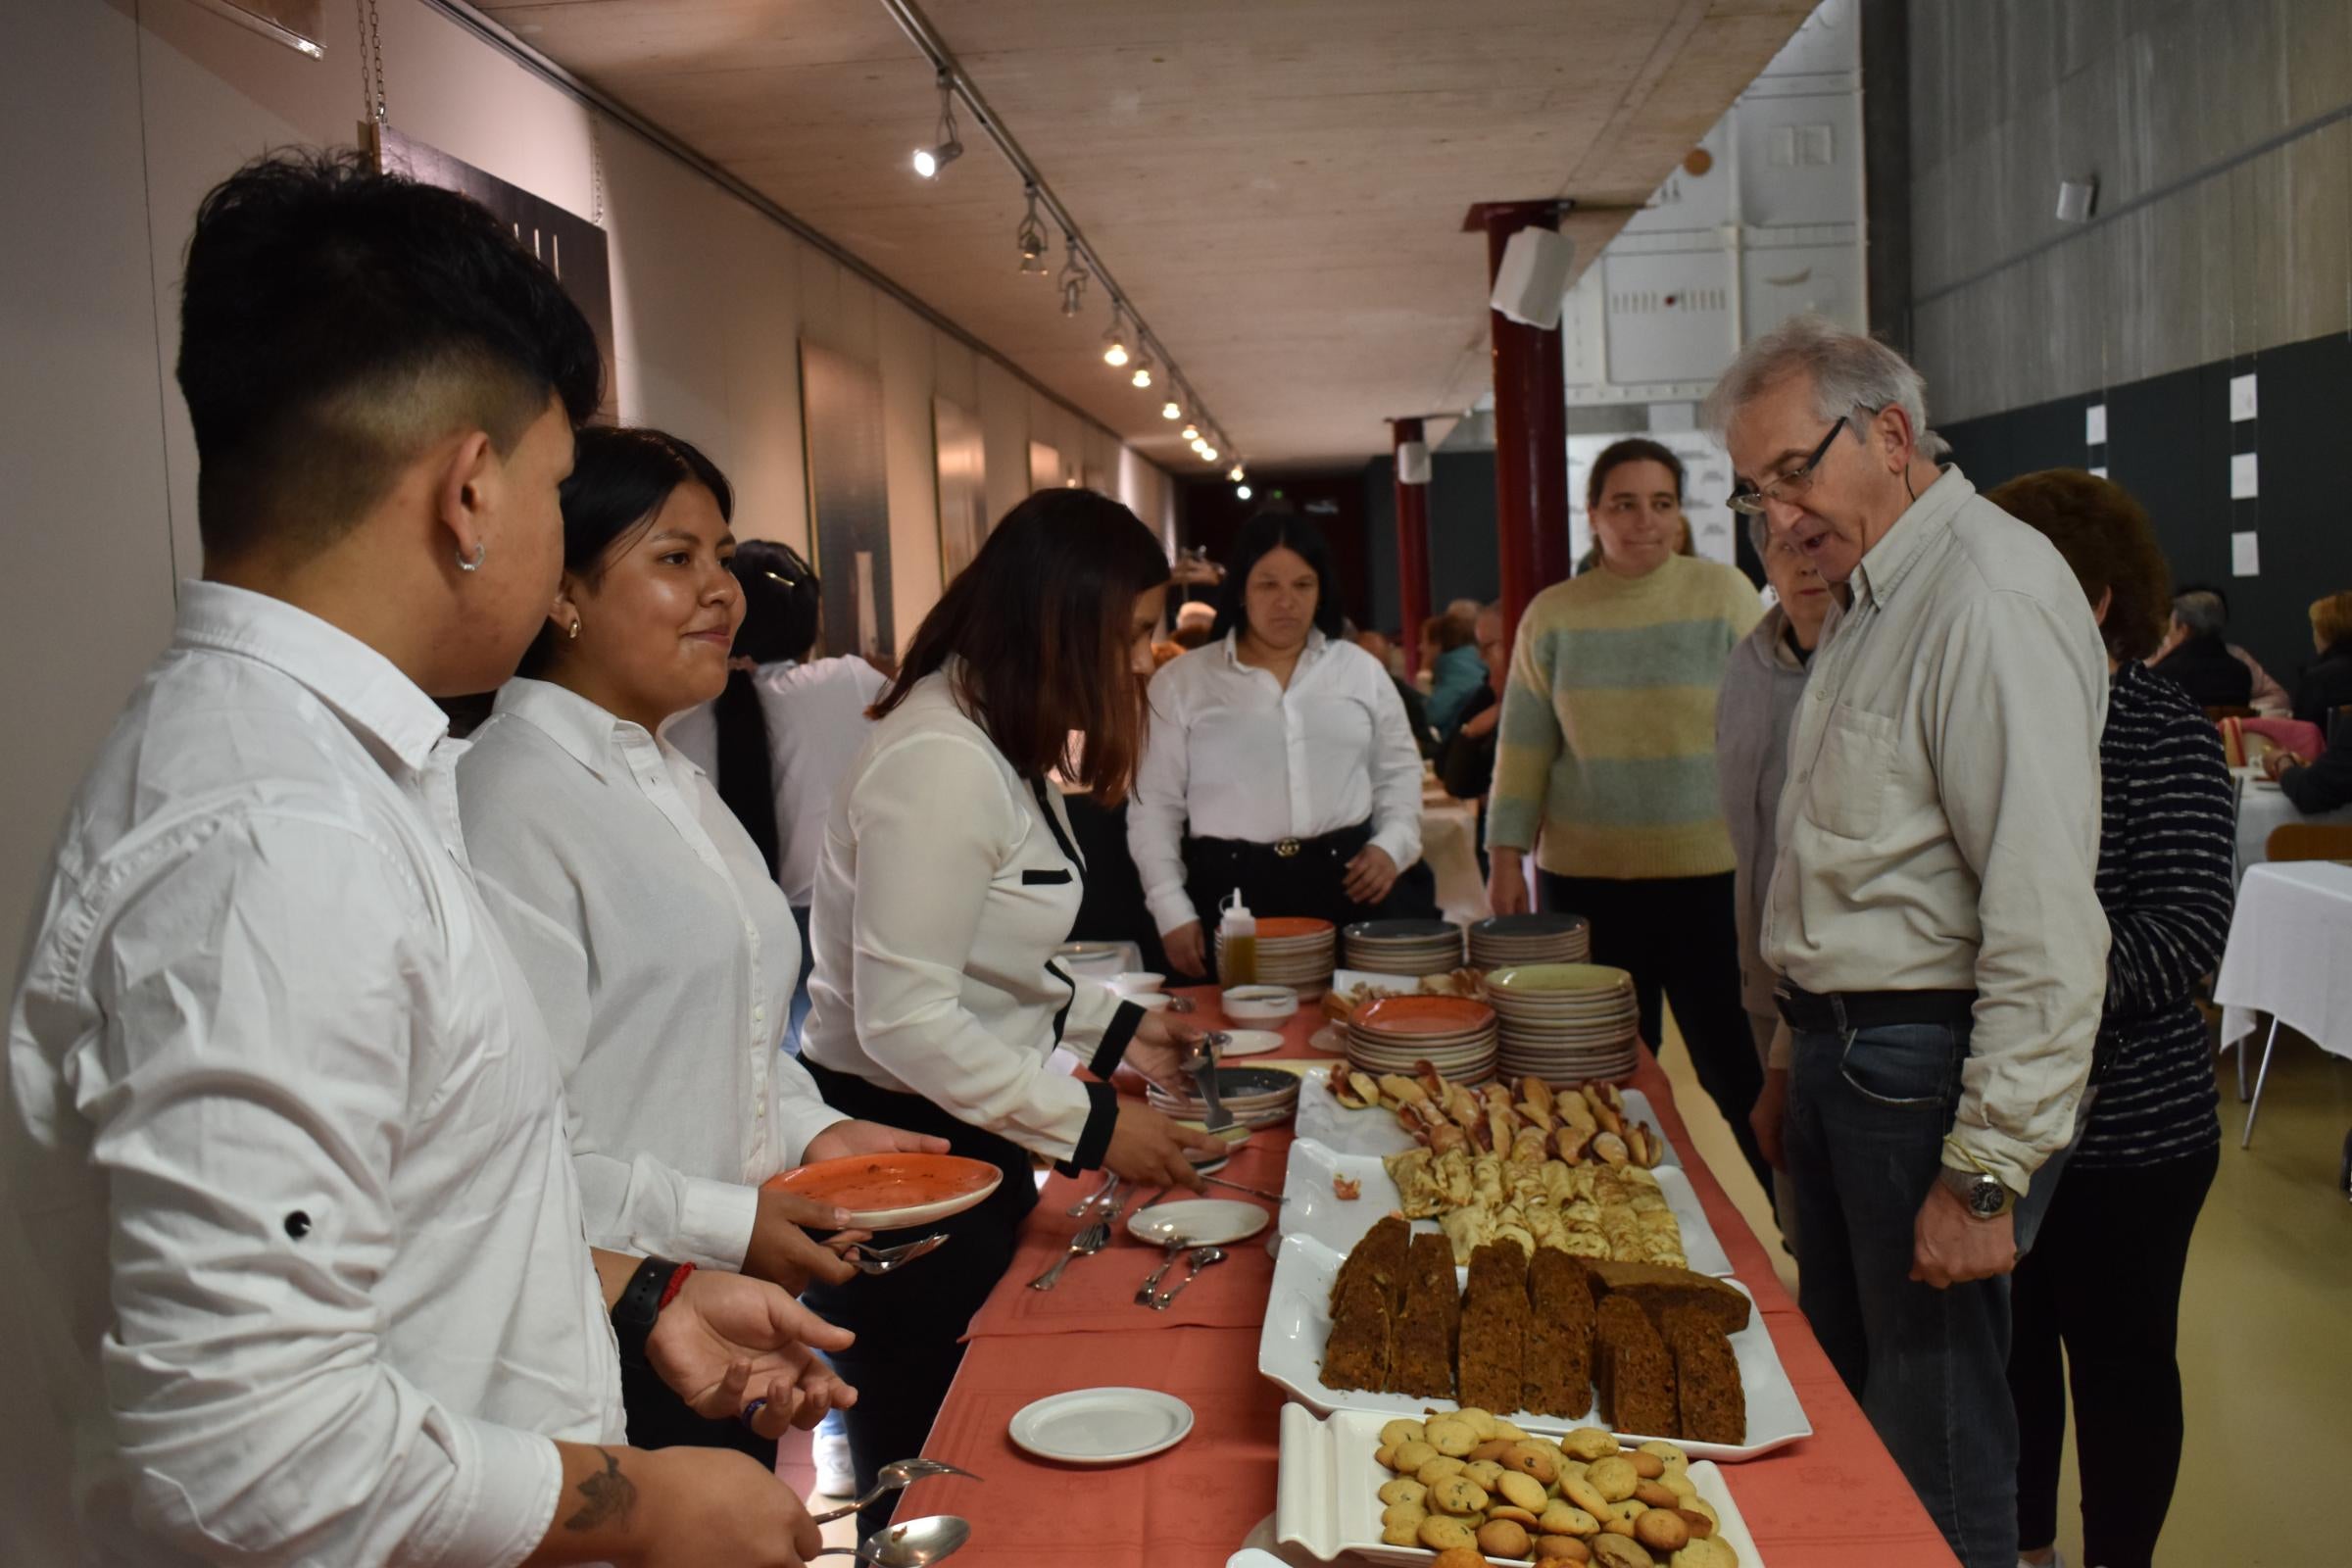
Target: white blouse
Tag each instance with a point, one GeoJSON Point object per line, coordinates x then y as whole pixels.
{"type": "Point", "coordinates": [816, 722]}
{"type": "Point", "coordinates": [946, 883]}
{"type": "Point", "coordinates": [1236, 755]}
{"type": "Point", "coordinates": [285, 1204]}
{"type": "Point", "coordinates": [664, 960]}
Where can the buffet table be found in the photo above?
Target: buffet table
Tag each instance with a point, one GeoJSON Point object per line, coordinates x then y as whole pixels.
{"type": "Point", "coordinates": [1832, 1500]}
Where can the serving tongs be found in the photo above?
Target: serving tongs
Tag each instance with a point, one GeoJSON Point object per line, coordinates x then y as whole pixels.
{"type": "Point", "coordinates": [1200, 1061]}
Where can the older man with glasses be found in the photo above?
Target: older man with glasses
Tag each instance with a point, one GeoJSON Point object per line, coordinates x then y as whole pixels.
{"type": "Point", "coordinates": [1932, 913]}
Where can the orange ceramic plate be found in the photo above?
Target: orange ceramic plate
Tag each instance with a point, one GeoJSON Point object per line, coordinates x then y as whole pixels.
{"type": "Point", "coordinates": [1287, 926]}
{"type": "Point", "coordinates": [889, 1192]}
{"type": "Point", "coordinates": [1424, 1015]}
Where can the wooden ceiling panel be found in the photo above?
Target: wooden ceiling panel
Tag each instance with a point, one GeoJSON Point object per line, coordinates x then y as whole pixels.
{"type": "Point", "coordinates": [1277, 184]}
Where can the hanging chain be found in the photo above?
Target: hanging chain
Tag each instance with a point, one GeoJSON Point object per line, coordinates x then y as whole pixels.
{"type": "Point", "coordinates": [596, 170]}
{"type": "Point", "coordinates": [371, 62]}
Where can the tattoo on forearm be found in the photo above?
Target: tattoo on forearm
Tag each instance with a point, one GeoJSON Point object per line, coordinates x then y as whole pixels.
{"type": "Point", "coordinates": [610, 1495]}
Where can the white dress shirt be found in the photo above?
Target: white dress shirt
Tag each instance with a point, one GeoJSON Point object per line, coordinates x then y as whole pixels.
{"type": "Point", "coordinates": [1939, 829]}
{"type": "Point", "coordinates": [293, 1258]}
{"type": "Point", "coordinates": [1238, 756]}
{"type": "Point", "coordinates": [663, 958]}
{"type": "Point", "coordinates": [945, 884]}
{"type": "Point", "coordinates": [816, 722]}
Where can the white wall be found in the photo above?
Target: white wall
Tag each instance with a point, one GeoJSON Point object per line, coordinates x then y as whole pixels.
{"type": "Point", "coordinates": [118, 114]}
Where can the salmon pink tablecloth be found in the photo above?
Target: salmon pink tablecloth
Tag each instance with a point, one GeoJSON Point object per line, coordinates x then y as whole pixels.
{"type": "Point", "coordinates": [1835, 1500]}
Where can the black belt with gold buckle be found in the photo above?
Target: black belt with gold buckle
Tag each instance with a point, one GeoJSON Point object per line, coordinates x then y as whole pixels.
{"type": "Point", "coordinates": [1286, 848]}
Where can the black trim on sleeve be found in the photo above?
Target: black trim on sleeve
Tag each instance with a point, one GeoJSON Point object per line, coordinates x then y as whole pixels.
{"type": "Point", "coordinates": [1095, 1142]}
{"type": "Point", "coordinates": [1061, 1014]}
{"type": "Point", "coordinates": [1036, 877]}
{"type": "Point", "coordinates": [1123, 1029]}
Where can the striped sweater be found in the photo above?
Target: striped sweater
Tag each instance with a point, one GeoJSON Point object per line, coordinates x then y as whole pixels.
{"type": "Point", "coordinates": [1605, 758]}
{"type": "Point", "coordinates": [2167, 835]}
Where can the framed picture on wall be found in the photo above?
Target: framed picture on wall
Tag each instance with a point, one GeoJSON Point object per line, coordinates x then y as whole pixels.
{"type": "Point", "coordinates": [849, 500]}
{"type": "Point", "coordinates": [962, 458]}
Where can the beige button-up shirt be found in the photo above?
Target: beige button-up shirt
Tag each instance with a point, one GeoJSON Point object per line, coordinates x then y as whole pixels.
{"type": "Point", "coordinates": [1940, 825]}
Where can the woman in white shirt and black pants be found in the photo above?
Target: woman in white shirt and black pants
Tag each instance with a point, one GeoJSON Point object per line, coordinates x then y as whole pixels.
{"type": "Point", "coordinates": [1281, 761]}
{"type": "Point", "coordinates": [946, 881]}
{"type": "Point", "coordinates": [659, 950]}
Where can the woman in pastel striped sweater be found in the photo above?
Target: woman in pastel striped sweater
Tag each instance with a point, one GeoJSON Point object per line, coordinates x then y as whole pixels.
{"type": "Point", "coordinates": [1605, 767]}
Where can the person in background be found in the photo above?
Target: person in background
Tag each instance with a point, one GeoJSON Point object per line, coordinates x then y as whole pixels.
{"type": "Point", "coordinates": [1449, 653]}
{"type": "Point", "coordinates": [776, 740]}
{"type": "Point", "coordinates": [1416, 705]}
{"type": "Point", "coordinates": [2324, 784]}
{"type": "Point", "coordinates": [1605, 768]}
{"type": "Point", "coordinates": [2326, 683]}
{"type": "Point", "coordinates": [655, 940]}
{"type": "Point", "coordinates": [1196, 624]}
{"type": "Point", "coordinates": [1281, 761]}
{"type": "Point", "coordinates": [1933, 912]}
{"type": "Point", "coordinates": [2196, 659]}
{"type": "Point", "coordinates": [1466, 764]}
{"type": "Point", "coordinates": [946, 881]}
{"type": "Point", "coordinates": [2103, 1284]}
{"type": "Point", "coordinates": [299, 1257]}
{"type": "Point", "coordinates": [1754, 714]}
{"type": "Point", "coordinates": [2268, 699]}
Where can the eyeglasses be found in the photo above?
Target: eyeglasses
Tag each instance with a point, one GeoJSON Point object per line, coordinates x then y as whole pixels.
{"type": "Point", "coordinates": [1789, 486]}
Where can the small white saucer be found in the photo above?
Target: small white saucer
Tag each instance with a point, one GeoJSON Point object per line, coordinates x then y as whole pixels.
{"type": "Point", "coordinates": [1101, 1426]}
{"type": "Point", "coordinates": [1249, 1043]}
{"type": "Point", "coordinates": [1201, 1221]}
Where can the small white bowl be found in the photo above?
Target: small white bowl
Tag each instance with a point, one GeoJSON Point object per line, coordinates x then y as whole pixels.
{"type": "Point", "coordinates": [1258, 1004]}
{"type": "Point", "coordinates": [1137, 981]}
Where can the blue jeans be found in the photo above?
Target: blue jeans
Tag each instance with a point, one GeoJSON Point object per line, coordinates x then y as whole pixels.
{"type": "Point", "coordinates": [1868, 1112]}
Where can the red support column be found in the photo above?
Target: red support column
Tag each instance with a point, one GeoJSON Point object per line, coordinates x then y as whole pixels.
{"type": "Point", "coordinates": [1530, 426]}
{"type": "Point", "coordinates": [1412, 548]}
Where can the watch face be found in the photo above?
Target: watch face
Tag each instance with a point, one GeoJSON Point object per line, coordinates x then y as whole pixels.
{"type": "Point", "coordinates": [1986, 1199]}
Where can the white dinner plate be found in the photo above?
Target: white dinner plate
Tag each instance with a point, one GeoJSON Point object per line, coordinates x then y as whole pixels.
{"type": "Point", "coordinates": [1249, 1043]}
{"type": "Point", "coordinates": [1198, 1221]}
{"type": "Point", "coordinates": [1101, 1426]}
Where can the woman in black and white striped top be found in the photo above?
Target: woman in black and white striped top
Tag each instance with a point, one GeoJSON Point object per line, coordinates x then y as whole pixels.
{"type": "Point", "coordinates": [2104, 1277]}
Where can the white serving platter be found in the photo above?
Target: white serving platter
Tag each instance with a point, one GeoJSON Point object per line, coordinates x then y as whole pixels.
{"type": "Point", "coordinates": [1290, 1356]}
{"type": "Point", "coordinates": [1327, 1498]}
{"type": "Point", "coordinates": [1311, 1209]}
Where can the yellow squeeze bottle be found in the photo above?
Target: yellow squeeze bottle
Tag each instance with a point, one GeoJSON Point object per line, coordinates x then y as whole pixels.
{"type": "Point", "coordinates": [1237, 942]}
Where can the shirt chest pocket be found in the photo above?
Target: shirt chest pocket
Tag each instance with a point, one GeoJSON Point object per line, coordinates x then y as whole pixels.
{"type": "Point", "coordinates": [1846, 794]}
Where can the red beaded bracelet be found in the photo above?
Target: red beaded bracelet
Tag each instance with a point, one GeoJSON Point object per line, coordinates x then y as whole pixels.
{"type": "Point", "coordinates": [669, 1293]}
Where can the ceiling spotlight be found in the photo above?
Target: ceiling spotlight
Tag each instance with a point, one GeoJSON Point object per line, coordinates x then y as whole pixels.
{"type": "Point", "coordinates": [1237, 475]}
{"type": "Point", "coordinates": [1171, 409]}
{"type": "Point", "coordinates": [1031, 237]}
{"type": "Point", "coordinates": [1208, 454]}
{"type": "Point", "coordinates": [929, 161]}
{"type": "Point", "coordinates": [1143, 366]}
{"type": "Point", "coordinates": [1241, 492]}
{"type": "Point", "coordinates": [1114, 341]}
{"type": "Point", "coordinates": [1073, 280]}
{"type": "Point", "coordinates": [1190, 432]}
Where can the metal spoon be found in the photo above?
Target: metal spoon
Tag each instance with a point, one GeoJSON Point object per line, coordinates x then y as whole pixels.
{"type": "Point", "coordinates": [1167, 1261]}
{"type": "Point", "coordinates": [883, 1259]}
{"type": "Point", "coordinates": [908, 1546]}
{"type": "Point", "coordinates": [1199, 1258]}
{"type": "Point", "coordinates": [893, 1476]}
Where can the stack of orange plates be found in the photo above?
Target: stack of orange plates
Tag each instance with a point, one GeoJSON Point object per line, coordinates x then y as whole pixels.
{"type": "Point", "coordinates": [1455, 1035]}
{"type": "Point", "coordinates": [1291, 950]}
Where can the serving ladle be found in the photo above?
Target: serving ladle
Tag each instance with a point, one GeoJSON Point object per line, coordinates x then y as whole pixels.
{"type": "Point", "coordinates": [893, 1476]}
{"type": "Point", "coordinates": [910, 1545]}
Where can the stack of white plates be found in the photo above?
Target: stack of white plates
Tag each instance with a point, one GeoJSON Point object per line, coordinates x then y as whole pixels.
{"type": "Point", "coordinates": [1565, 1022]}
{"type": "Point", "coordinates": [1509, 940]}
{"type": "Point", "coordinates": [1257, 1097]}
{"type": "Point", "coordinates": [1406, 947]}
{"type": "Point", "coordinates": [1455, 1035]}
{"type": "Point", "coordinates": [1291, 950]}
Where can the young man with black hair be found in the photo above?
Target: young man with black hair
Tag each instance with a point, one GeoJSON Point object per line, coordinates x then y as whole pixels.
{"type": "Point", "coordinates": [295, 1258]}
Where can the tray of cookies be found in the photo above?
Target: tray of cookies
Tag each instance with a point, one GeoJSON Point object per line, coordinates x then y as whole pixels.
{"type": "Point", "coordinates": [1472, 1488]}
{"type": "Point", "coordinates": [1595, 1211]}
{"type": "Point", "coordinates": [1339, 1117]}
{"type": "Point", "coordinates": [1650, 1352]}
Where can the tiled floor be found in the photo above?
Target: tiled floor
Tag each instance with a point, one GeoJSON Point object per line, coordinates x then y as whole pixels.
{"type": "Point", "coordinates": [2266, 1324]}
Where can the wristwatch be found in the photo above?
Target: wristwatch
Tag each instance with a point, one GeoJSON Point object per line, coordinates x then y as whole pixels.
{"type": "Point", "coordinates": [1985, 1196]}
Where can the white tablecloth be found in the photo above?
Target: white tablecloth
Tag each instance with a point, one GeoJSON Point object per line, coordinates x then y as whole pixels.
{"type": "Point", "coordinates": [2262, 808]}
{"type": "Point", "coordinates": [2291, 952]}
{"type": "Point", "coordinates": [1449, 843]}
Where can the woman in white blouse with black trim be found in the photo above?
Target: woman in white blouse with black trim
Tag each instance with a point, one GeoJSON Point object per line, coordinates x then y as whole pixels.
{"type": "Point", "coordinates": [660, 949]}
{"type": "Point", "coordinates": [947, 880]}
{"type": "Point", "coordinates": [1281, 764]}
